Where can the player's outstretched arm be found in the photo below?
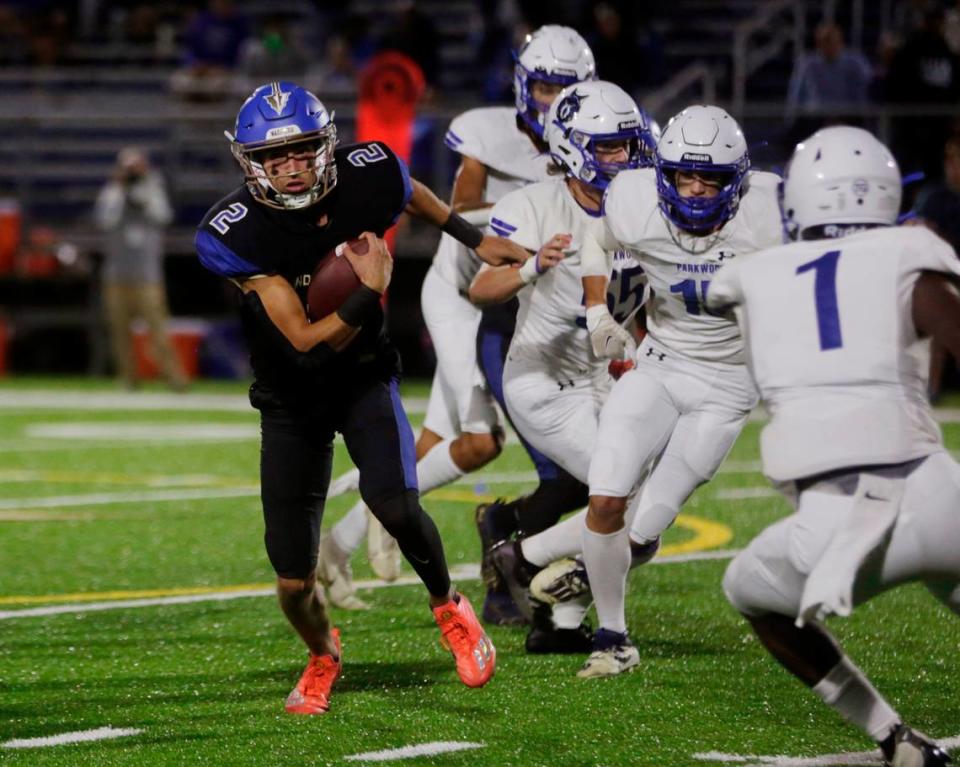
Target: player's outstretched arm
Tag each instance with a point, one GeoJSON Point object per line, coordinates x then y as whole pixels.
{"type": "Point", "coordinates": [494, 250]}
{"type": "Point", "coordinates": [285, 311]}
{"type": "Point", "coordinates": [501, 283]}
{"type": "Point", "coordinates": [936, 310]}
{"type": "Point", "coordinates": [607, 337]}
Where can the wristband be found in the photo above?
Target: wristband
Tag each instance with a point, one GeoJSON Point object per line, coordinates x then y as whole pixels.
{"type": "Point", "coordinates": [359, 306]}
{"type": "Point", "coordinates": [530, 270]}
{"type": "Point", "coordinates": [463, 231]}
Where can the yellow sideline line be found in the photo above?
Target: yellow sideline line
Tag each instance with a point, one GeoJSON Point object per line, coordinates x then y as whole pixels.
{"type": "Point", "coordinates": [707, 534]}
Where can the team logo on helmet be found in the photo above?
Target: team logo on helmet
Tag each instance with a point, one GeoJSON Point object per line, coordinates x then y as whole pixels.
{"type": "Point", "coordinates": [860, 187]}
{"type": "Point", "coordinates": [569, 107]}
{"type": "Point", "coordinates": [277, 99]}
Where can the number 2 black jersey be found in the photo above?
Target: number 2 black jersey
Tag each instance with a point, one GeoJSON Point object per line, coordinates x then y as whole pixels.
{"type": "Point", "coordinates": [240, 238]}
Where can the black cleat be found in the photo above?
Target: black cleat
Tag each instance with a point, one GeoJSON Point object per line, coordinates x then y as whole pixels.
{"type": "Point", "coordinates": [914, 749]}
{"type": "Point", "coordinates": [499, 609]}
{"type": "Point", "coordinates": [490, 535]}
{"type": "Point", "coordinates": [516, 573]}
{"type": "Point", "coordinates": [542, 640]}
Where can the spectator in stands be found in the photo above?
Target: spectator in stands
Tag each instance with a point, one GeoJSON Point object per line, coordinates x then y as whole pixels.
{"type": "Point", "coordinates": [275, 54]}
{"type": "Point", "coordinates": [613, 47]}
{"type": "Point", "coordinates": [938, 207]}
{"type": "Point", "coordinates": [938, 204]}
{"type": "Point", "coordinates": [924, 72]}
{"type": "Point", "coordinates": [132, 210]}
{"type": "Point", "coordinates": [212, 42]}
{"type": "Point", "coordinates": [832, 76]}
{"type": "Point", "coordinates": [335, 77]}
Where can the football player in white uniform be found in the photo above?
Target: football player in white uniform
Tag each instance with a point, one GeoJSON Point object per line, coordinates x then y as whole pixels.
{"type": "Point", "coordinates": [676, 414]}
{"type": "Point", "coordinates": [502, 150]}
{"type": "Point", "coordinates": [837, 327]}
{"type": "Point", "coordinates": [553, 382]}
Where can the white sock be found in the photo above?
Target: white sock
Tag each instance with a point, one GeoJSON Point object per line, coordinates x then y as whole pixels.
{"type": "Point", "coordinates": [350, 531]}
{"type": "Point", "coordinates": [561, 540]}
{"type": "Point", "coordinates": [607, 558]}
{"type": "Point", "coordinates": [569, 615]}
{"type": "Point", "coordinates": [437, 468]}
{"type": "Point", "coordinates": [846, 690]}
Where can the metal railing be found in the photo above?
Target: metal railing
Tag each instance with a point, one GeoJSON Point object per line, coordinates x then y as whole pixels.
{"type": "Point", "coordinates": [698, 75]}
{"type": "Point", "coordinates": [749, 56]}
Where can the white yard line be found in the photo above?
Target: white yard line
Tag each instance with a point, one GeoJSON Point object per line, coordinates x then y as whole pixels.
{"type": "Point", "coordinates": [80, 736]}
{"type": "Point", "coordinates": [137, 431]}
{"type": "Point", "coordinates": [827, 760]}
{"type": "Point", "coordinates": [52, 399]}
{"type": "Point", "coordinates": [412, 752]}
{"type": "Point", "coordinates": [49, 399]}
{"type": "Point", "coordinates": [147, 496]}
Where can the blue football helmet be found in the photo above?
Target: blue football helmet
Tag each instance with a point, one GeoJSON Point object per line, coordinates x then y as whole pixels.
{"type": "Point", "coordinates": [552, 54]}
{"type": "Point", "coordinates": [707, 140]}
{"type": "Point", "coordinates": [283, 114]}
{"type": "Point", "coordinates": [593, 112]}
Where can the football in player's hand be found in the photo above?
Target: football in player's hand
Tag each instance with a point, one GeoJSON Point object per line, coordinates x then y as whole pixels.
{"type": "Point", "coordinates": [333, 280]}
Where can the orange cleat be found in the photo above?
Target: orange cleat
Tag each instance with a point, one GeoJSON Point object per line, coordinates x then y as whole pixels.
{"type": "Point", "coordinates": [312, 693]}
{"type": "Point", "coordinates": [463, 636]}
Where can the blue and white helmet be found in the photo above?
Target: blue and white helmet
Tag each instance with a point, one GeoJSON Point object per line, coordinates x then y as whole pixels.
{"type": "Point", "coordinates": [841, 176]}
{"type": "Point", "coordinates": [701, 139]}
{"type": "Point", "coordinates": [282, 114]}
{"type": "Point", "coordinates": [551, 54]}
{"type": "Point", "coordinates": [590, 112]}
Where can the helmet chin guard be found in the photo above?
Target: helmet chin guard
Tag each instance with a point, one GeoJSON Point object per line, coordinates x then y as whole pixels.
{"type": "Point", "coordinates": [282, 114]}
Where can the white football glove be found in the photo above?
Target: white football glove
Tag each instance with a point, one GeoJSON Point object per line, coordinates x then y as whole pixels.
{"type": "Point", "coordinates": [608, 338]}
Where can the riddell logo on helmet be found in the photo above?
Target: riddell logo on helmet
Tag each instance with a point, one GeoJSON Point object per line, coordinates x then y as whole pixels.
{"type": "Point", "coordinates": [695, 157]}
{"type": "Point", "coordinates": [283, 130]}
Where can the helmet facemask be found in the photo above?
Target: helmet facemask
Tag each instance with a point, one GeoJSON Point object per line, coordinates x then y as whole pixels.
{"type": "Point", "coordinates": [700, 215]}
{"type": "Point", "coordinates": [595, 172]}
{"type": "Point", "coordinates": [321, 144]}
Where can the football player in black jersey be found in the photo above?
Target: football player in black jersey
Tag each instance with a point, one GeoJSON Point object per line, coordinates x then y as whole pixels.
{"type": "Point", "coordinates": [302, 197]}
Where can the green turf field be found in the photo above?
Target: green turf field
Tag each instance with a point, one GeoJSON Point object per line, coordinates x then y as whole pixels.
{"type": "Point", "coordinates": [104, 501]}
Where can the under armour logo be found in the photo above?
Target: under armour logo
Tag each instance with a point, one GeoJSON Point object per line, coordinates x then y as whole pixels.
{"type": "Point", "coordinates": [724, 255]}
{"type": "Point", "coordinates": [565, 384]}
{"type": "Point", "coordinates": [651, 352]}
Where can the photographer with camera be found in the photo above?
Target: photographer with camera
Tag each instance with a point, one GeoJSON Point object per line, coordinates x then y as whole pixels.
{"type": "Point", "coordinates": [132, 210]}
